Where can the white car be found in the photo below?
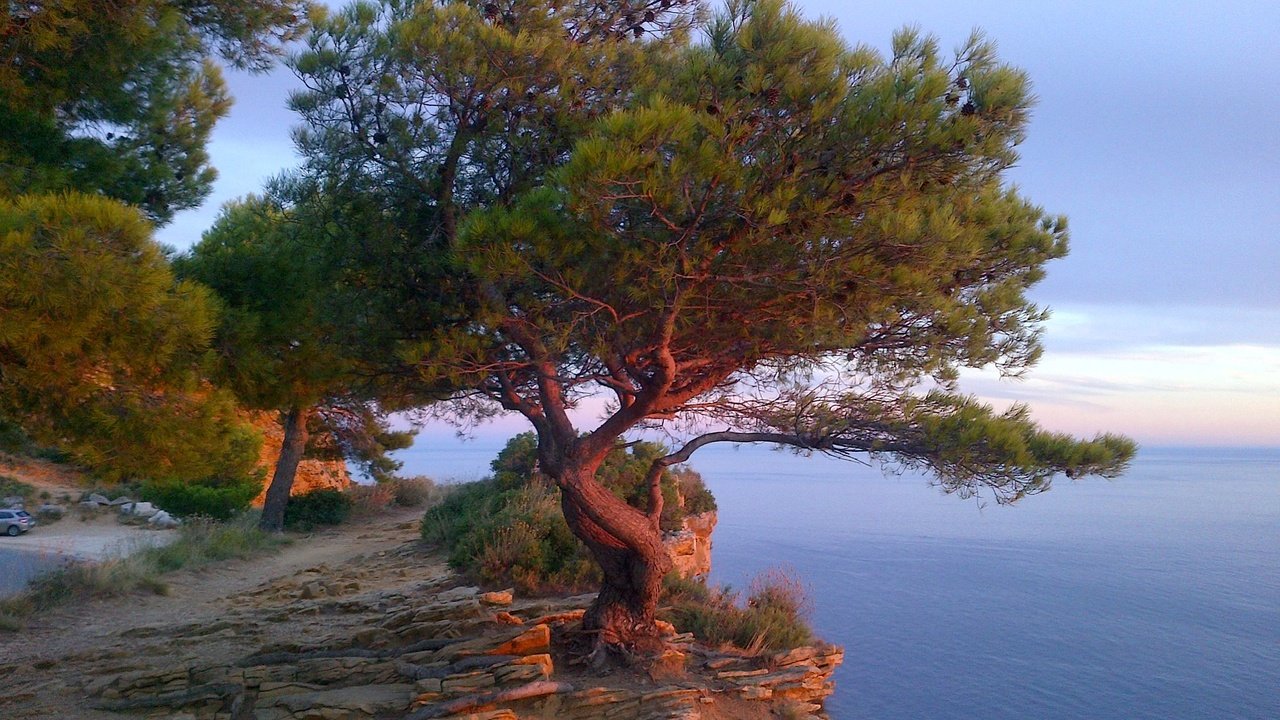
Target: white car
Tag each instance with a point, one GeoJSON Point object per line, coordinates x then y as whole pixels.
{"type": "Point", "coordinates": [14, 522]}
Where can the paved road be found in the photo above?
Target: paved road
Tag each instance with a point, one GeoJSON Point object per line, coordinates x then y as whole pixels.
{"type": "Point", "coordinates": [19, 566]}
{"type": "Point", "coordinates": [47, 545]}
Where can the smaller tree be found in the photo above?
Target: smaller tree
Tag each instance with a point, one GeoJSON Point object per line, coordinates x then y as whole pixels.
{"type": "Point", "coordinates": [100, 345]}
{"type": "Point", "coordinates": [280, 344]}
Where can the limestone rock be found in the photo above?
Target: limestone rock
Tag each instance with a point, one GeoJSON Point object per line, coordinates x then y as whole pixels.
{"type": "Point", "coordinates": [366, 699]}
{"type": "Point", "coordinates": [312, 474]}
{"type": "Point", "coordinates": [163, 519]}
{"type": "Point", "coordinates": [498, 597]}
{"type": "Point", "coordinates": [690, 547]}
{"type": "Point", "coordinates": [138, 509]}
{"type": "Point", "coordinates": [535, 640]}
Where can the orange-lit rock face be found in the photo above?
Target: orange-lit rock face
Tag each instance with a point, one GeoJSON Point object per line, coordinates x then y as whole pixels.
{"type": "Point", "coordinates": [312, 474]}
{"type": "Point", "coordinates": [690, 547]}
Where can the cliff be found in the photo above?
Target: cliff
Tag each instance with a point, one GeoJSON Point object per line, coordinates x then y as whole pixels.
{"type": "Point", "coordinates": [690, 547]}
{"type": "Point", "coordinates": [432, 649]}
{"type": "Point", "coordinates": [312, 474]}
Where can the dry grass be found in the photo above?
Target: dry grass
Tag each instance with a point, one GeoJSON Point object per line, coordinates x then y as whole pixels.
{"type": "Point", "coordinates": [415, 491]}
{"type": "Point", "coordinates": [773, 618]}
{"type": "Point", "coordinates": [199, 542]}
{"type": "Point", "coordinates": [371, 499]}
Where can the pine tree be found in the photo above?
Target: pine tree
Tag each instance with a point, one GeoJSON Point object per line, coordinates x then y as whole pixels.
{"type": "Point", "coordinates": [119, 98]}
{"type": "Point", "coordinates": [100, 345]}
{"type": "Point", "coordinates": [762, 236]}
{"type": "Point", "coordinates": [280, 344]}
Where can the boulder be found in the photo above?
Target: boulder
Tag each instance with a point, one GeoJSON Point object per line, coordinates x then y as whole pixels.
{"type": "Point", "coordinates": [163, 519]}
{"type": "Point", "coordinates": [99, 499]}
{"type": "Point", "coordinates": [122, 500]}
{"type": "Point", "coordinates": [139, 509]}
{"type": "Point", "coordinates": [15, 502]}
{"type": "Point", "coordinates": [50, 512]}
{"type": "Point", "coordinates": [498, 597]}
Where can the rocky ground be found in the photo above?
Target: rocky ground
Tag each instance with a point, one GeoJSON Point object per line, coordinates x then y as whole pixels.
{"type": "Point", "coordinates": [364, 622]}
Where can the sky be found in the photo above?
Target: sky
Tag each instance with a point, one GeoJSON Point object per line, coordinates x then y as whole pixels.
{"type": "Point", "coordinates": [1157, 132]}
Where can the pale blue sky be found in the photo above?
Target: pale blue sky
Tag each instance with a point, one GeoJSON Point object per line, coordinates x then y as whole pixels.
{"type": "Point", "coordinates": [1157, 132]}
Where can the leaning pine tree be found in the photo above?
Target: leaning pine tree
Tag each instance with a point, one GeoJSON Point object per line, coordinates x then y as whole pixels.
{"type": "Point", "coordinates": [761, 237]}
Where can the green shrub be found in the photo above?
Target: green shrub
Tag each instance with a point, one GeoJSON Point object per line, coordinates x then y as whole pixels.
{"type": "Point", "coordinates": [516, 462]}
{"type": "Point", "coordinates": [220, 499]}
{"type": "Point", "coordinates": [624, 471]}
{"type": "Point", "coordinates": [318, 507]}
{"type": "Point", "coordinates": [513, 537]}
{"type": "Point", "coordinates": [509, 530]}
{"type": "Point", "coordinates": [413, 492]}
{"type": "Point", "coordinates": [51, 454]}
{"type": "Point", "coordinates": [13, 487]}
{"type": "Point", "coordinates": [774, 617]}
{"type": "Point", "coordinates": [12, 437]}
{"type": "Point", "coordinates": [697, 499]}
{"type": "Point", "coordinates": [463, 508]}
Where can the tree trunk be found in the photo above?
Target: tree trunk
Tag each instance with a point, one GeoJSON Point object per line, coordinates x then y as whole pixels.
{"type": "Point", "coordinates": [291, 450]}
{"type": "Point", "coordinates": [628, 547]}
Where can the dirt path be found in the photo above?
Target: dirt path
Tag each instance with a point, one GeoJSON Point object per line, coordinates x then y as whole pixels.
{"type": "Point", "coordinates": [365, 623]}
{"type": "Point", "coordinates": [223, 612]}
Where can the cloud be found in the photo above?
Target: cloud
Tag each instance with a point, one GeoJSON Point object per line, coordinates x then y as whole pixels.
{"type": "Point", "coordinates": [1103, 328]}
{"type": "Point", "coordinates": [1162, 394]}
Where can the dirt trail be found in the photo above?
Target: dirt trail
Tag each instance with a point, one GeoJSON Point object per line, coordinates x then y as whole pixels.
{"type": "Point", "coordinates": [225, 611]}
{"type": "Point", "coordinates": [362, 623]}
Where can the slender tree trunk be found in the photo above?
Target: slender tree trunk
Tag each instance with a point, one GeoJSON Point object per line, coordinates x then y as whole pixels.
{"type": "Point", "coordinates": [628, 547]}
{"type": "Point", "coordinates": [295, 443]}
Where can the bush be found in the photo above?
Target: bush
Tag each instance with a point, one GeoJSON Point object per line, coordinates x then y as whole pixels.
{"type": "Point", "coordinates": [371, 499]}
{"type": "Point", "coordinates": [12, 438]}
{"type": "Point", "coordinates": [773, 619]}
{"type": "Point", "coordinates": [513, 537]}
{"type": "Point", "coordinates": [509, 530]}
{"type": "Point", "coordinates": [318, 507]}
{"type": "Point", "coordinates": [697, 499]}
{"type": "Point", "coordinates": [413, 492]}
{"type": "Point", "coordinates": [13, 487]}
{"type": "Point", "coordinates": [220, 499]}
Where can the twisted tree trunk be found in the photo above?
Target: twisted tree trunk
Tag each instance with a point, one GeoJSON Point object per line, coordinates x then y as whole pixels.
{"type": "Point", "coordinates": [291, 450]}
{"type": "Point", "coordinates": [628, 546]}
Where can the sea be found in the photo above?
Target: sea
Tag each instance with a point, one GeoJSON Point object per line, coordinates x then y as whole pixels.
{"type": "Point", "coordinates": [1152, 596]}
{"type": "Point", "coordinates": [1155, 596]}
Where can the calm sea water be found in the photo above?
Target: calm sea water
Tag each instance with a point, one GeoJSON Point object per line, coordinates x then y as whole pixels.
{"type": "Point", "coordinates": [1153, 596]}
